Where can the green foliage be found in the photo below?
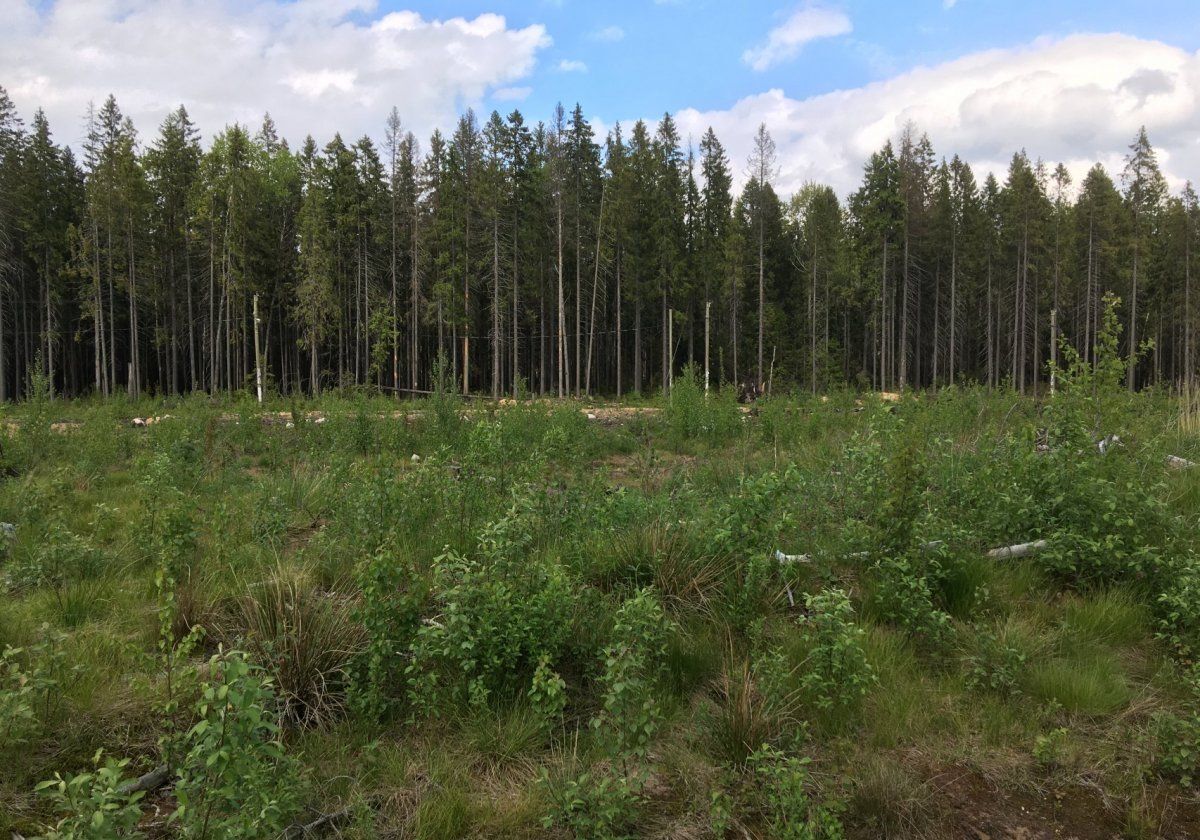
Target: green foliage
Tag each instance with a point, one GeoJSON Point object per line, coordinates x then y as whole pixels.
{"type": "Point", "coordinates": [547, 695]}
{"type": "Point", "coordinates": [692, 414]}
{"type": "Point", "coordinates": [499, 612]}
{"type": "Point", "coordinates": [592, 806]}
{"type": "Point", "coordinates": [31, 686]}
{"type": "Point", "coordinates": [901, 591]}
{"type": "Point", "coordinates": [601, 805]}
{"type": "Point", "coordinates": [235, 778]}
{"type": "Point", "coordinates": [60, 558]}
{"type": "Point", "coordinates": [389, 611]}
{"type": "Point", "coordinates": [1178, 736]}
{"type": "Point", "coordinates": [791, 810]}
{"type": "Point", "coordinates": [94, 806]}
{"type": "Point", "coordinates": [18, 692]}
{"type": "Point", "coordinates": [836, 671]}
{"type": "Point", "coordinates": [1178, 605]}
{"type": "Point", "coordinates": [444, 405]}
{"type": "Point", "coordinates": [1048, 748]}
{"type": "Point", "coordinates": [633, 663]}
{"type": "Point", "coordinates": [993, 664]}
{"type": "Point", "coordinates": [1105, 517]}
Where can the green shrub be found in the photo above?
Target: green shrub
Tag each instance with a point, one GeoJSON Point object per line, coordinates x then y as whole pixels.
{"type": "Point", "coordinates": [790, 809]}
{"type": "Point", "coordinates": [633, 663]}
{"type": "Point", "coordinates": [836, 673]}
{"type": "Point", "coordinates": [591, 805]}
{"type": "Point", "coordinates": [93, 804]}
{"type": "Point", "coordinates": [235, 778]}
{"type": "Point", "coordinates": [597, 804]}
{"type": "Point", "coordinates": [547, 695]}
{"type": "Point", "coordinates": [993, 664]}
{"type": "Point", "coordinates": [389, 612]}
{"type": "Point", "coordinates": [498, 613]}
{"type": "Point", "coordinates": [31, 686]}
{"type": "Point", "coordinates": [692, 414]}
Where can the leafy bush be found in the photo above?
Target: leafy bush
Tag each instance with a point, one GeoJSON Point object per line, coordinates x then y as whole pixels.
{"type": "Point", "coordinates": [1178, 605]}
{"type": "Point", "coordinates": [901, 592]}
{"type": "Point", "coordinates": [389, 612]}
{"type": "Point", "coordinates": [993, 664]}
{"type": "Point", "coordinates": [60, 557]}
{"type": "Point", "coordinates": [591, 805]}
{"type": "Point", "coordinates": [93, 804]}
{"type": "Point", "coordinates": [633, 664]}
{"type": "Point", "coordinates": [836, 671]}
{"type": "Point", "coordinates": [18, 690]}
{"type": "Point", "coordinates": [547, 695]}
{"type": "Point", "coordinates": [1105, 520]}
{"type": "Point", "coordinates": [791, 812]}
{"type": "Point", "coordinates": [692, 414]}
{"type": "Point", "coordinates": [31, 689]}
{"type": "Point", "coordinates": [600, 805]}
{"type": "Point", "coordinates": [499, 612]}
{"type": "Point", "coordinates": [235, 779]}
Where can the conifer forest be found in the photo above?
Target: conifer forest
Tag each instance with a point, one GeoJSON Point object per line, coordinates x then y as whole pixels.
{"type": "Point", "coordinates": [523, 482]}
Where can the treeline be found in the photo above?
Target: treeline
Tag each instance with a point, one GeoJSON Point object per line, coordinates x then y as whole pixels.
{"type": "Point", "coordinates": [532, 257]}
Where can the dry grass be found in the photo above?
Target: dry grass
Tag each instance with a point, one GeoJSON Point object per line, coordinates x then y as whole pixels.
{"type": "Point", "coordinates": [304, 637]}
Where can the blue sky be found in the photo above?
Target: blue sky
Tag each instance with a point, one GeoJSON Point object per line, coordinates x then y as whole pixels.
{"type": "Point", "coordinates": [688, 53]}
{"type": "Point", "coordinates": [1068, 81]}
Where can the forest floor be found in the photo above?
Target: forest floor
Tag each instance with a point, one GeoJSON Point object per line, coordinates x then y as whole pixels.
{"type": "Point", "coordinates": [566, 619]}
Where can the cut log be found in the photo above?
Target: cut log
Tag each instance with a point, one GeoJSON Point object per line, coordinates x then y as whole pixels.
{"type": "Point", "coordinates": [1019, 550]}
{"type": "Point", "coordinates": [153, 780]}
{"type": "Point", "coordinates": [784, 559]}
{"type": "Point", "coordinates": [1003, 553]}
{"type": "Point", "coordinates": [1177, 463]}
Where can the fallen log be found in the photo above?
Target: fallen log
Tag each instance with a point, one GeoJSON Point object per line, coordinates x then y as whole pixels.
{"type": "Point", "coordinates": [147, 782]}
{"type": "Point", "coordinates": [1004, 552]}
{"type": "Point", "coordinates": [299, 830]}
{"type": "Point", "coordinates": [784, 559]}
{"type": "Point", "coordinates": [1007, 552]}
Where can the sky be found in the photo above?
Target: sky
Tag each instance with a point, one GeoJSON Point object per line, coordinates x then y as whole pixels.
{"type": "Point", "coordinates": [1066, 80]}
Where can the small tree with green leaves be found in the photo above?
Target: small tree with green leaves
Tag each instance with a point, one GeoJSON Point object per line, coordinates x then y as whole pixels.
{"type": "Point", "coordinates": [836, 673]}
{"type": "Point", "coordinates": [93, 803]}
{"type": "Point", "coordinates": [235, 778]}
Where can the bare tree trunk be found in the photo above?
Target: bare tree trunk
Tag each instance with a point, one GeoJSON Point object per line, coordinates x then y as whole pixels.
{"type": "Point", "coordinates": [595, 287]}
{"type": "Point", "coordinates": [562, 380]}
{"type": "Point", "coordinates": [620, 342]}
{"type": "Point", "coordinates": [761, 292]}
{"type": "Point", "coordinates": [904, 315]}
{"type": "Point", "coordinates": [953, 307]}
{"type": "Point", "coordinates": [1131, 369]}
{"type": "Point", "coordinates": [707, 335]}
{"type": "Point", "coordinates": [258, 354]}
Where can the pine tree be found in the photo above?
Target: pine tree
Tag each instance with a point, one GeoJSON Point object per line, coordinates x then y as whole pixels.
{"type": "Point", "coordinates": [1145, 190]}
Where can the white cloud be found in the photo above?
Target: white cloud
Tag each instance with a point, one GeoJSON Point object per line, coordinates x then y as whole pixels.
{"type": "Point", "coordinates": [608, 35]}
{"type": "Point", "coordinates": [1078, 100]}
{"type": "Point", "coordinates": [571, 66]}
{"type": "Point", "coordinates": [511, 94]}
{"type": "Point", "coordinates": [786, 40]}
{"type": "Point", "coordinates": [949, 4]}
{"type": "Point", "coordinates": [319, 66]}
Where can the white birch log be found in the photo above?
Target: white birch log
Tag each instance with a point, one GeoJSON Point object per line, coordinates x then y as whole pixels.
{"type": "Point", "coordinates": [784, 559]}
{"type": "Point", "coordinates": [1002, 553]}
{"type": "Point", "coordinates": [1019, 550]}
